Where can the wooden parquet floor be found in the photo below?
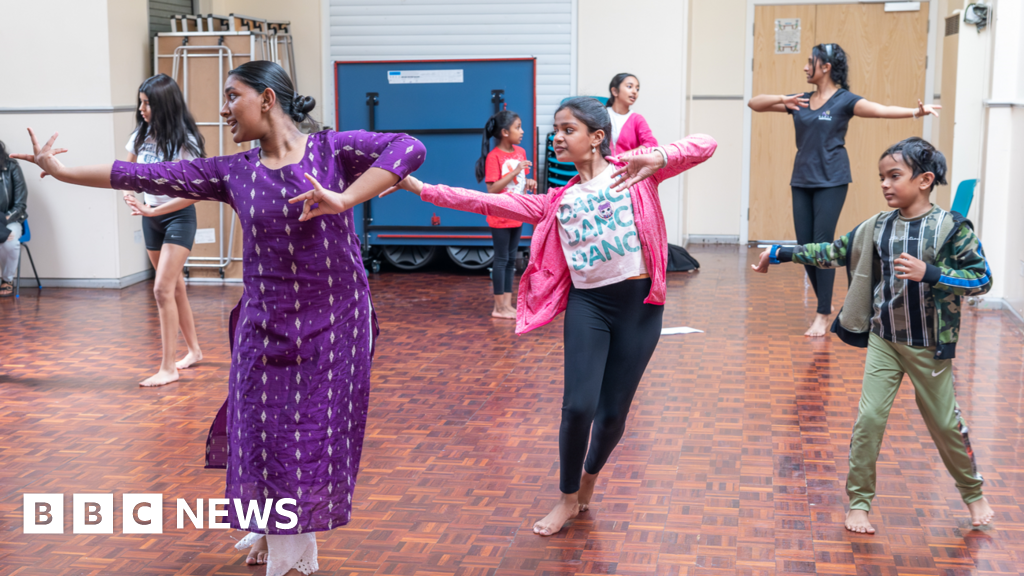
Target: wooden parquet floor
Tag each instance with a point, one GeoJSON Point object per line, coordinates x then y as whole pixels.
{"type": "Point", "coordinates": [733, 462]}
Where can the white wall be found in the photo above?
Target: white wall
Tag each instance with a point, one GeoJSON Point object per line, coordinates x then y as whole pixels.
{"type": "Point", "coordinates": [1000, 202]}
{"type": "Point", "coordinates": [75, 54]}
{"type": "Point", "coordinates": [655, 50]}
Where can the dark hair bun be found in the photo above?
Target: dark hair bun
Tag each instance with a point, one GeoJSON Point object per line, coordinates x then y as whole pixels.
{"type": "Point", "coordinates": [301, 106]}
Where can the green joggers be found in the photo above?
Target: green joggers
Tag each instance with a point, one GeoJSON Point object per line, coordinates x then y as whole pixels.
{"type": "Point", "coordinates": [933, 385]}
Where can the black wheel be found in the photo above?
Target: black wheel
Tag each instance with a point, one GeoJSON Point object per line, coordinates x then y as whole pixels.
{"type": "Point", "coordinates": [375, 266]}
{"type": "Point", "coordinates": [471, 257]}
{"type": "Point", "coordinates": [409, 257]}
{"type": "Point", "coordinates": [522, 261]}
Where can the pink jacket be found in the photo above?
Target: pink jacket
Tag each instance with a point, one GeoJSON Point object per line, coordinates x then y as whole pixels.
{"type": "Point", "coordinates": [635, 134]}
{"type": "Point", "coordinates": [544, 287]}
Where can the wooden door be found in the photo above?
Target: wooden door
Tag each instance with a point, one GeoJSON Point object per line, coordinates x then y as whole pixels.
{"type": "Point", "coordinates": [887, 52]}
{"type": "Point", "coordinates": [771, 134]}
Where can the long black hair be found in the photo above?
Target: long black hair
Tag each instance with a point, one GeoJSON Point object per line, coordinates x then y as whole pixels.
{"type": "Point", "coordinates": [503, 120]}
{"type": "Point", "coordinates": [834, 55]}
{"type": "Point", "coordinates": [617, 81]}
{"type": "Point", "coordinates": [920, 156]}
{"type": "Point", "coordinates": [3, 156]}
{"type": "Point", "coordinates": [262, 74]}
{"type": "Point", "coordinates": [594, 116]}
{"type": "Point", "coordinates": [172, 126]}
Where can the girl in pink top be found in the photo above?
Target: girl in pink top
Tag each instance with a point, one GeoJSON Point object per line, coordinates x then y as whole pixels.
{"type": "Point", "coordinates": [584, 260]}
{"type": "Point", "coordinates": [629, 129]}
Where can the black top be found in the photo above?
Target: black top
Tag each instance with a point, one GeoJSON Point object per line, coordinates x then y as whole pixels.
{"type": "Point", "coordinates": [821, 159]}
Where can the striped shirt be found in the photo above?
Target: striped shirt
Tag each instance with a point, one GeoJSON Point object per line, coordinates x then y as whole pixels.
{"type": "Point", "coordinates": [904, 310]}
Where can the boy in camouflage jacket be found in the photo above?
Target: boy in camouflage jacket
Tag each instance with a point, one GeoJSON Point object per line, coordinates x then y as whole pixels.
{"type": "Point", "coordinates": [908, 270]}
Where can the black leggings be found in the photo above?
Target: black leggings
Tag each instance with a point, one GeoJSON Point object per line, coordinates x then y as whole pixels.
{"type": "Point", "coordinates": [506, 244]}
{"type": "Point", "coordinates": [610, 335]}
{"type": "Point", "coordinates": [815, 214]}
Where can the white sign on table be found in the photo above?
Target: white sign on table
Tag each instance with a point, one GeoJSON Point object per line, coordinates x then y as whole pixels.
{"type": "Point", "coordinates": [424, 76]}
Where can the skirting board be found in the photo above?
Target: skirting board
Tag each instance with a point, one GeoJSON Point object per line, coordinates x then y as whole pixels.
{"type": "Point", "coordinates": [1001, 304]}
{"type": "Point", "coordinates": [713, 239]}
{"type": "Point", "coordinates": [28, 282]}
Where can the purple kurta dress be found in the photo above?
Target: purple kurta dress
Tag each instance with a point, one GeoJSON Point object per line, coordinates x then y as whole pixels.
{"type": "Point", "coordinates": [302, 349]}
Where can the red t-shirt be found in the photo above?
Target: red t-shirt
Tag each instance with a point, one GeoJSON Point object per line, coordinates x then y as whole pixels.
{"type": "Point", "coordinates": [498, 164]}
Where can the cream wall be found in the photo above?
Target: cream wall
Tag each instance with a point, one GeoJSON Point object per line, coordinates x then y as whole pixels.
{"type": "Point", "coordinates": [305, 18]}
{"type": "Point", "coordinates": [84, 54]}
{"type": "Point", "coordinates": [656, 53]}
{"type": "Point", "coordinates": [716, 53]}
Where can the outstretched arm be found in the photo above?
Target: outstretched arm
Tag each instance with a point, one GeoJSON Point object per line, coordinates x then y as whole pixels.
{"type": "Point", "coordinates": [824, 255]}
{"type": "Point", "coordinates": [867, 109]}
{"type": "Point", "coordinates": [45, 157]}
{"type": "Point", "coordinates": [524, 208]}
{"type": "Point", "coordinates": [678, 157]}
{"type": "Point", "coordinates": [777, 103]}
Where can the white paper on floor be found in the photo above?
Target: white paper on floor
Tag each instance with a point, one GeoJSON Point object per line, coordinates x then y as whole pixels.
{"type": "Point", "coordinates": [680, 330]}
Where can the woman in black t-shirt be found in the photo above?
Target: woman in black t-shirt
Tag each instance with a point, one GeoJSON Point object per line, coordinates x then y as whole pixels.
{"type": "Point", "coordinates": [821, 171]}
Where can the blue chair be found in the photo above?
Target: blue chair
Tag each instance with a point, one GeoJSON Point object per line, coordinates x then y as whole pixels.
{"type": "Point", "coordinates": [964, 196]}
{"type": "Point", "coordinates": [26, 235]}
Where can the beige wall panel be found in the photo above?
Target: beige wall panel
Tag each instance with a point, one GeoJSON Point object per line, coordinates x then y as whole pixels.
{"type": "Point", "coordinates": [718, 41]}
{"type": "Point", "coordinates": [129, 49]}
{"type": "Point", "coordinates": [944, 138]}
{"type": "Point", "coordinates": [657, 62]}
{"type": "Point", "coordinates": [773, 144]}
{"type": "Point", "coordinates": [54, 32]}
{"type": "Point", "coordinates": [872, 37]}
{"type": "Point", "coordinates": [713, 190]}
{"type": "Point", "coordinates": [1013, 280]}
{"type": "Point", "coordinates": [74, 229]}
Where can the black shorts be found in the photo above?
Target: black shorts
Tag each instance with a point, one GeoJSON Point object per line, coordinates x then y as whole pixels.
{"type": "Point", "coordinates": [174, 228]}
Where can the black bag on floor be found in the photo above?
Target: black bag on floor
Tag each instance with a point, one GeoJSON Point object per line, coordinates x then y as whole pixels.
{"type": "Point", "coordinates": [679, 260]}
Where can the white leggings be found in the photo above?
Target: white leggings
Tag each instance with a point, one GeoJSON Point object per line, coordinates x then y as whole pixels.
{"type": "Point", "coordinates": [286, 551]}
{"type": "Point", "coordinates": [9, 252]}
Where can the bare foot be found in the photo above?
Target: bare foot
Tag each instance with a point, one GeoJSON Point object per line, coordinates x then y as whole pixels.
{"type": "Point", "coordinates": [981, 512]}
{"type": "Point", "coordinates": [258, 553]}
{"type": "Point", "coordinates": [189, 359]}
{"type": "Point", "coordinates": [818, 326]}
{"type": "Point", "coordinates": [587, 483]}
{"type": "Point", "coordinates": [566, 509]}
{"type": "Point", "coordinates": [160, 378]}
{"type": "Point", "coordinates": [504, 314]}
{"type": "Point", "coordinates": [857, 521]}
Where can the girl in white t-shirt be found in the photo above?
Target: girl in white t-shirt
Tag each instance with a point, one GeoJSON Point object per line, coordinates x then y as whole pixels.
{"type": "Point", "coordinates": [166, 132]}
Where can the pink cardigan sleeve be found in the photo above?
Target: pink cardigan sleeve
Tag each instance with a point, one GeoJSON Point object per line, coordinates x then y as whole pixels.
{"type": "Point", "coordinates": [524, 208]}
{"type": "Point", "coordinates": [686, 154]}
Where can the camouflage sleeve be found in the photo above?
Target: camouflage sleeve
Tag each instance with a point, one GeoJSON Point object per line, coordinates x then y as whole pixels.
{"type": "Point", "coordinates": [824, 255]}
{"type": "Point", "coordinates": [971, 275]}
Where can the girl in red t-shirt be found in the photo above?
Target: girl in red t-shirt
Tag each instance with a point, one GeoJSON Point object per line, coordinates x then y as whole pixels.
{"type": "Point", "coordinates": [504, 169]}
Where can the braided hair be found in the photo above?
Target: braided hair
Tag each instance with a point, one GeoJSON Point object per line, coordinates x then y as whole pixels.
{"type": "Point", "coordinates": [502, 120]}
{"type": "Point", "coordinates": [832, 54]}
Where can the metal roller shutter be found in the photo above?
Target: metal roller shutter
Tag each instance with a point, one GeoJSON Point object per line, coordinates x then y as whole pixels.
{"type": "Point", "coordinates": [442, 29]}
{"type": "Point", "coordinates": [160, 12]}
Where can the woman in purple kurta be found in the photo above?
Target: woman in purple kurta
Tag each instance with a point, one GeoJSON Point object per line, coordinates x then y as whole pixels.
{"type": "Point", "coordinates": [303, 344]}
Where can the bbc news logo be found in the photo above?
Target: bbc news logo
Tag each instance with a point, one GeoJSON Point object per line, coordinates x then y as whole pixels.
{"type": "Point", "coordinates": [144, 513]}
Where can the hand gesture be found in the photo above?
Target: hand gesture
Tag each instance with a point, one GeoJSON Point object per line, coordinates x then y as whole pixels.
{"type": "Point", "coordinates": [318, 201]}
{"type": "Point", "coordinates": [795, 102]}
{"type": "Point", "coordinates": [910, 268]}
{"type": "Point", "coordinates": [523, 165]}
{"type": "Point", "coordinates": [764, 260]}
{"type": "Point", "coordinates": [43, 156]}
{"type": "Point", "coordinates": [637, 169]}
{"type": "Point", "coordinates": [410, 183]}
{"type": "Point", "coordinates": [925, 109]}
{"type": "Point", "coordinates": [138, 208]}
{"type": "Point", "coordinates": [531, 185]}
